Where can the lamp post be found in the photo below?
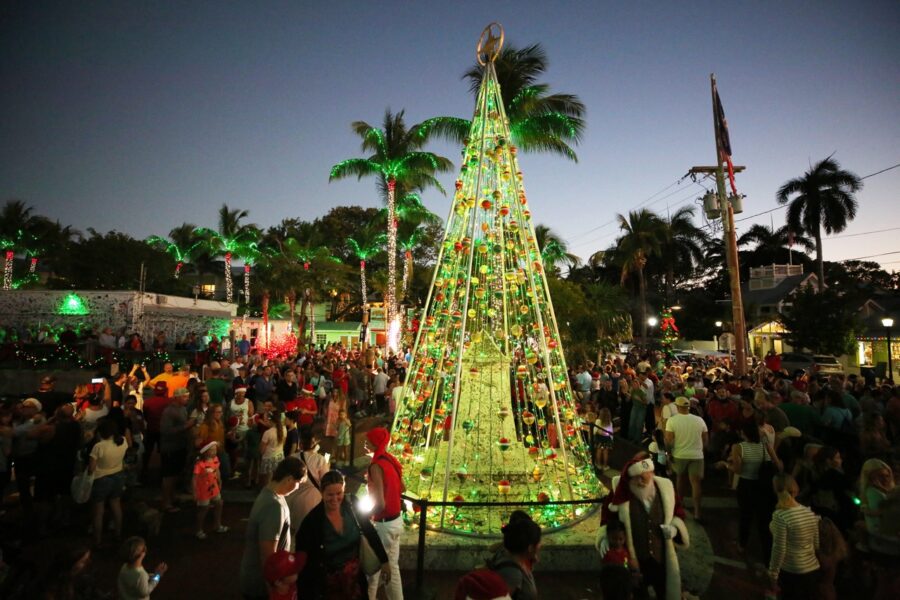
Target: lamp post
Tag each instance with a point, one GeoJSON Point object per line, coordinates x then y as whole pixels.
{"type": "Point", "coordinates": [651, 321]}
{"type": "Point", "coordinates": [718, 333]}
{"type": "Point", "coordinates": [888, 322]}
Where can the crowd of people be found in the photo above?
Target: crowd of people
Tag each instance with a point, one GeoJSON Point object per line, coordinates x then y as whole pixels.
{"type": "Point", "coordinates": [249, 421]}
{"type": "Point", "coordinates": [811, 459]}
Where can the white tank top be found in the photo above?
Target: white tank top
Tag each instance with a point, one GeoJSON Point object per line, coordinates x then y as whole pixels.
{"type": "Point", "coordinates": [242, 412]}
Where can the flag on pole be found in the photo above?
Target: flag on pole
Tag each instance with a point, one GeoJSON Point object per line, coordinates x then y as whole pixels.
{"type": "Point", "coordinates": [723, 140]}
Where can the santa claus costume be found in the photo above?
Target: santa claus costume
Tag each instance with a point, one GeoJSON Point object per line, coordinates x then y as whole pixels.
{"type": "Point", "coordinates": [653, 526]}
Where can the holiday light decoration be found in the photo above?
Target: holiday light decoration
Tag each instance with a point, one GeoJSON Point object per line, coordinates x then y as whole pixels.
{"type": "Point", "coordinates": [73, 304]}
{"type": "Point", "coordinates": [668, 328]}
{"type": "Point", "coordinates": [179, 249]}
{"type": "Point", "coordinates": [487, 412]}
{"type": "Point", "coordinates": [8, 270]}
{"type": "Point", "coordinates": [247, 283]}
{"type": "Point", "coordinates": [229, 285]}
{"type": "Point", "coordinates": [390, 301]}
{"type": "Point", "coordinates": [365, 245]}
{"type": "Point", "coordinates": [32, 265]}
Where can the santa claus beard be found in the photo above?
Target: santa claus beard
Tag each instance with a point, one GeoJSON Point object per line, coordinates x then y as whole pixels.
{"type": "Point", "coordinates": [645, 494]}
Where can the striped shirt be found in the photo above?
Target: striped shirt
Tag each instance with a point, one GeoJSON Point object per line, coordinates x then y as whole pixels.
{"type": "Point", "coordinates": [795, 539]}
{"type": "Point", "coordinates": [751, 460]}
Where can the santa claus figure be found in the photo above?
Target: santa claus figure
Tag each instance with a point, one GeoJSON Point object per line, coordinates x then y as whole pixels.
{"type": "Point", "coordinates": [653, 518]}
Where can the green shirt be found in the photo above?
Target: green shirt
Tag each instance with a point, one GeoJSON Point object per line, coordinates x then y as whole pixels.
{"type": "Point", "coordinates": [802, 416]}
{"type": "Point", "coordinates": [216, 389]}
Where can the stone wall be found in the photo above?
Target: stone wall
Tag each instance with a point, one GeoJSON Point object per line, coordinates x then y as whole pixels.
{"type": "Point", "coordinates": [117, 309]}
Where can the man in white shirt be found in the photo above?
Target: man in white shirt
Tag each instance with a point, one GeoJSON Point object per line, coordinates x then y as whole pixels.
{"type": "Point", "coordinates": [379, 387]}
{"type": "Point", "coordinates": [686, 437]}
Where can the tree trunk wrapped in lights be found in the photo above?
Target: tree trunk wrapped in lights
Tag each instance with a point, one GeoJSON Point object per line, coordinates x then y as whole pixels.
{"type": "Point", "coordinates": [229, 286]}
{"type": "Point", "coordinates": [391, 300]}
{"type": "Point", "coordinates": [362, 283]}
{"type": "Point", "coordinates": [247, 284]}
{"type": "Point", "coordinates": [487, 412]}
{"type": "Point", "coordinates": [32, 266]}
{"type": "Point", "coordinates": [8, 270]}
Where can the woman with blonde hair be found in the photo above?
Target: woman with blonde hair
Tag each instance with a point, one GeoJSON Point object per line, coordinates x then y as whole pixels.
{"type": "Point", "coordinates": [793, 564]}
{"type": "Point", "coordinates": [876, 481]}
{"type": "Point", "coordinates": [271, 449]}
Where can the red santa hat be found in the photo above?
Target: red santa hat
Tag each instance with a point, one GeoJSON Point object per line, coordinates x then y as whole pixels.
{"type": "Point", "coordinates": [632, 468]}
{"type": "Point", "coordinates": [379, 437]}
{"type": "Point", "coordinates": [482, 584]}
{"type": "Point", "coordinates": [308, 389]}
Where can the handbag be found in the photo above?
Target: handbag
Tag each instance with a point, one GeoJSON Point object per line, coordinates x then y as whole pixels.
{"type": "Point", "coordinates": [368, 560]}
{"type": "Point", "coordinates": [81, 487]}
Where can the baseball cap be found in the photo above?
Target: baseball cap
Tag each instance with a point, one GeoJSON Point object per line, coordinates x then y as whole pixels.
{"type": "Point", "coordinates": [682, 401]}
{"type": "Point", "coordinates": [182, 391]}
{"type": "Point", "coordinates": [281, 564]}
{"type": "Point", "coordinates": [33, 403]}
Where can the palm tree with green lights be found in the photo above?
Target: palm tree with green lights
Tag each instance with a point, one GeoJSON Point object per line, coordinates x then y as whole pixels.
{"type": "Point", "coordinates": [538, 120]}
{"type": "Point", "coordinates": [364, 246]}
{"type": "Point", "coordinates": [823, 198]}
{"type": "Point", "coordinates": [399, 163]}
{"type": "Point", "coordinates": [182, 245]}
{"type": "Point", "coordinates": [642, 237]}
{"type": "Point", "coordinates": [233, 238]}
{"type": "Point", "coordinates": [554, 250]}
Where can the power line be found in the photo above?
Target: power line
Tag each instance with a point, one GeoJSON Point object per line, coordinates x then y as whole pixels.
{"type": "Point", "coordinates": [834, 237]}
{"type": "Point", "coordinates": [872, 255]}
{"type": "Point", "coordinates": [880, 172]}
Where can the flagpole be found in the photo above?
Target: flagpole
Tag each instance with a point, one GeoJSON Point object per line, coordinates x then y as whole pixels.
{"type": "Point", "coordinates": [731, 253]}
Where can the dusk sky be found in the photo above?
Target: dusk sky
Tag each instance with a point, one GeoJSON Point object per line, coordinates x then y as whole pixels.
{"type": "Point", "coordinates": [138, 116]}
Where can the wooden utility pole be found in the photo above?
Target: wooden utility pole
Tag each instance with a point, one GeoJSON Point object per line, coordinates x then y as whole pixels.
{"type": "Point", "coordinates": [731, 251]}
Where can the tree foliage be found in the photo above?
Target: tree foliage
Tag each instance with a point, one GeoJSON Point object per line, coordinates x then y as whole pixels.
{"type": "Point", "coordinates": [823, 322]}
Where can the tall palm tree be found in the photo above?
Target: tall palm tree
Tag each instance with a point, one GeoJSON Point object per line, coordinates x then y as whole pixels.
{"type": "Point", "coordinates": [232, 238]}
{"type": "Point", "coordinates": [554, 250]}
{"type": "Point", "coordinates": [642, 237]}
{"type": "Point", "coordinates": [16, 220]}
{"type": "Point", "coordinates": [409, 236]}
{"type": "Point", "coordinates": [823, 198]}
{"type": "Point", "coordinates": [682, 246]}
{"type": "Point", "coordinates": [182, 244]}
{"type": "Point", "coordinates": [397, 160]}
{"type": "Point", "coordinates": [771, 245]}
{"type": "Point", "coordinates": [538, 121]}
{"type": "Point", "coordinates": [367, 244]}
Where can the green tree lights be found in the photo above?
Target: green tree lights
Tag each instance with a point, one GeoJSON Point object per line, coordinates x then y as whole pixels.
{"type": "Point", "coordinates": [487, 413]}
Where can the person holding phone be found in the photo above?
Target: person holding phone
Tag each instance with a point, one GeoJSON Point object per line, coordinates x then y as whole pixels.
{"type": "Point", "coordinates": [134, 583]}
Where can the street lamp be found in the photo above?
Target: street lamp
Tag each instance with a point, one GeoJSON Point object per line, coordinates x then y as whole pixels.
{"type": "Point", "coordinates": [716, 338]}
{"type": "Point", "coordinates": [888, 322]}
{"type": "Point", "coordinates": [652, 321]}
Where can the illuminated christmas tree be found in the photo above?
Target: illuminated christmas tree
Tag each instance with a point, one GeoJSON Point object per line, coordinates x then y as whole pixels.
{"type": "Point", "coordinates": [487, 412]}
{"type": "Point", "coordinates": [668, 329]}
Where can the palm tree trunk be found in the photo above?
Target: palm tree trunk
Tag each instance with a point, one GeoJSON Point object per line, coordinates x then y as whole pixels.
{"type": "Point", "coordinates": [302, 324]}
{"type": "Point", "coordinates": [407, 271]}
{"type": "Point", "coordinates": [8, 270]}
{"type": "Point", "coordinates": [292, 304]}
{"type": "Point", "coordinates": [362, 283]}
{"type": "Point", "coordinates": [820, 263]}
{"type": "Point", "coordinates": [670, 284]}
{"type": "Point", "coordinates": [247, 284]}
{"type": "Point", "coordinates": [642, 294]}
{"type": "Point", "coordinates": [392, 254]}
{"type": "Point", "coordinates": [178, 267]}
{"type": "Point", "coordinates": [229, 286]}
{"type": "Point", "coordinates": [265, 311]}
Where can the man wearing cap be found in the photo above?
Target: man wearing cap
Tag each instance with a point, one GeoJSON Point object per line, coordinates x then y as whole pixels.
{"type": "Point", "coordinates": [653, 518]}
{"type": "Point", "coordinates": [49, 398]}
{"type": "Point", "coordinates": [175, 428]}
{"type": "Point", "coordinates": [686, 437]}
{"type": "Point", "coordinates": [385, 484]}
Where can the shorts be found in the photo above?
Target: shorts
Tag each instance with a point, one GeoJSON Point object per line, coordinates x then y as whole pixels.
{"type": "Point", "coordinates": [107, 487]}
{"type": "Point", "coordinates": [172, 463]}
{"type": "Point", "coordinates": [217, 499]}
{"type": "Point", "coordinates": [268, 464]}
{"type": "Point", "coordinates": [691, 466]}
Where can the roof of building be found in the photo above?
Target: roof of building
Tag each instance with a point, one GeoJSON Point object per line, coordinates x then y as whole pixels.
{"type": "Point", "coordinates": [323, 326]}
{"type": "Point", "coordinates": [774, 295]}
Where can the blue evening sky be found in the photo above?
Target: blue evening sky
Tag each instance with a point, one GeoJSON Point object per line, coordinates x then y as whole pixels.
{"type": "Point", "coordinates": [138, 116]}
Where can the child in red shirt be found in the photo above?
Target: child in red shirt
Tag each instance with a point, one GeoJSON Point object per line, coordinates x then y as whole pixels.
{"type": "Point", "coordinates": [208, 489]}
{"type": "Point", "coordinates": [281, 571]}
{"type": "Point", "coordinates": [617, 555]}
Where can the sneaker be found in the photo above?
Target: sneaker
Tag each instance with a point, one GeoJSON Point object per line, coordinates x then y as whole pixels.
{"type": "Point", "coordinates": [201, 535]}
{"type": "Point", "coordinates": [222, 529]}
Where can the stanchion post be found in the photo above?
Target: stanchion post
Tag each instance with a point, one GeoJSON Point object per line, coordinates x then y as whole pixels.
{"type": "Point", "coordinates": [420, 551]}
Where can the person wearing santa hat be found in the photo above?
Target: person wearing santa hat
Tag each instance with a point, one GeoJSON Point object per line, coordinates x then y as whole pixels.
{"type": "Point", "coordinates": [385, 484]}
{"type": "Point", "coordinates": [482, 584]}
{"type": "Point", "coordinates": [653, 518]}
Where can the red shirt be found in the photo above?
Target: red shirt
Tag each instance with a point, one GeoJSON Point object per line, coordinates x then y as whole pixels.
{"type": "Point", "coordinates": [719, 411]}
{"type": "Point", "coordinates": [307, 403]}
{"type": "Point", "coordinates": [153, 410]}
{"type": "Point", "coordinates": [391, 485]}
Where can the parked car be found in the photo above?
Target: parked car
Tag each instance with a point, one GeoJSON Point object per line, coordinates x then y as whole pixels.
{"type": "Point", "coordinates": [813, 364]}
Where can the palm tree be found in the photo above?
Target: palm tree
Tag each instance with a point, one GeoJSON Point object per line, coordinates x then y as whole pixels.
{"type": "Point", "coordinates": [15, 232]}
{"type": "Point", "coordinates": [366, 244]}
{"type": "Point", "coordinates": [538, 121]}
{"type": "Point", "coordinates": [231, 238]}
{"type": "Point", "coordinates": [397, 161]}
{"type": "Point", "coordinates": [682, 246]}
{"type": "Point", "coordinates": [409, 236]}
{"type": "Point", "coordinates": [182, 245]}
{"type": "Point", "coordinates": [643, 236]}
{"type": "Point", "coordinates": [823, 198]}
{"type": "Point", "coordinates": [772, 245]}
{"type": "Point", "coordinates": [554, 250]}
